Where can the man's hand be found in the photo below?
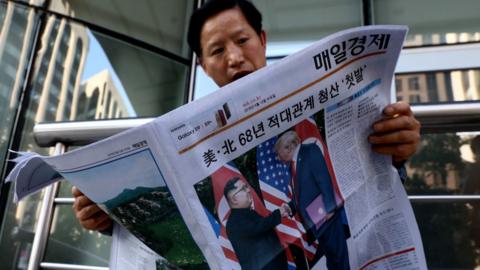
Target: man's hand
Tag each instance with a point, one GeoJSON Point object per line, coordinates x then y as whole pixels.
{"type": "Point", "coordinates": [397, 134]}
{"type": "Point", "coordinates": [285, 210]}
{"type": "Point", "coordinates": [90, 216]}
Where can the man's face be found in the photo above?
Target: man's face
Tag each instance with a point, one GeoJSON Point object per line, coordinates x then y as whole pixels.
{"type": "Point", "coordinates": [285, 152]}
{"type": "Point", "coordinates": [231, 48]}
{"type": "Point", "coordinates": [240, 197]}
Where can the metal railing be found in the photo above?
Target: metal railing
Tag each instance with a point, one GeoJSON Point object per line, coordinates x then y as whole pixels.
{"type": "Point", "coordinates": [63, 266]}
{"type": "Point", "coordinates": [449, 117]}
{"type": "Point", "coordinates": [444, 117]}
{"type": "Point", "coordinates": [45, 220]}
{"type": "Point", "coordinates": [439, 117]}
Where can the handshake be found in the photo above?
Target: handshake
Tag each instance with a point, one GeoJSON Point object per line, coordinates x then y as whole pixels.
{"type": "Point", "coordinates": [285, 210]}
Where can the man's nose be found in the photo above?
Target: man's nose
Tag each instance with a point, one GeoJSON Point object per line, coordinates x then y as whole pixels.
{"type": "Point", "coordinates": [235, 56]}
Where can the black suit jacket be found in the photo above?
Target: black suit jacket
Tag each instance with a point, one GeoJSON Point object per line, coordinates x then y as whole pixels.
{"type": "Point", "coordinates": [312, 179]}
{"type": "Point", "coordinates": [255, 241]}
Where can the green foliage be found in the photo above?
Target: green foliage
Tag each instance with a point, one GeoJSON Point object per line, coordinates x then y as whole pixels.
{"type": "Point", "coordinates": [154, 218]}
{"type": "Point", "coordinates": [181, 250]}
{"type": "Point", "coordinates": [446, 235]}
{"type": "Point", "coordinates": [445, 227]}
{"type": "Point", "coordinates": [436, 153]}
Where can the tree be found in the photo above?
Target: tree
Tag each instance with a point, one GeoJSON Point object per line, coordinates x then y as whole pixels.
{"type": "Point", "coordinates": [438, 154]}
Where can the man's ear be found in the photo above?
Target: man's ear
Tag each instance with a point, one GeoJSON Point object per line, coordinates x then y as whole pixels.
{"type": "Point", "coordinates": [263, 39]}
{"type": "Point", "coordinates": [202, 64]}
{"type": "Point", "coordinates": [232, 201]}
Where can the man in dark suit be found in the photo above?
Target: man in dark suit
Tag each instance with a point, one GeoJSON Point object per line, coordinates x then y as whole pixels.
{"type": "Point", "coordinates": [253, 237]}
{"type": "Point", "coordinates": [314, 197]}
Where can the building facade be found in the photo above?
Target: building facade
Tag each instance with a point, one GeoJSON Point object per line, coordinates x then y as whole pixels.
{"type": "Point", "coordinates": [70, 60]}
{"type": "Point", "coordinates": [99, 98]}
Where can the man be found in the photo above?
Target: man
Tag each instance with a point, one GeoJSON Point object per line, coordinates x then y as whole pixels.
{"type": "Point", "coordinates": [312, 191]}
{"type": "Point", "coordinates": [253, 237]}
{"type": "Point", "coordinates": [228, 39]}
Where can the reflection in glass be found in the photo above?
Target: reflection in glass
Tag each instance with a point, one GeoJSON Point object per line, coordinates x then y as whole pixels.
{"type": "Point", "coordinates": [153, 84]}
{"type": "Point", "coordinates": [441, 86]}
{"type": "Point", "coordinates": [450, 234]}
{"type": "Point", "coordinates": [445, 163]}
{"type": "Point", "coordinates": [18, 231]}
{"type": "Point", "coordinates": [55, 95]}
{"type": "Point", "coordinates": [160, 23]}
{"type": "Point", "coordinates": [16, 39]}
{"type": "Point", "coordinates": [55, 86]}
{"type": "Point", "coordinates": [65, 190]}
{"type": "Point", "coordinates": [70, 243]}
{"type": "Point", "coordinates": [471, 185]}
{"type": "Point", "coordinates": [73, 79]}
{"type": "Point", "coordinates": [306, 20]}
{"type": "Point", "coordinates": [428, 22]}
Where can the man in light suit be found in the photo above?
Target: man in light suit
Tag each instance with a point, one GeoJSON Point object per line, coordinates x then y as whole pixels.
{"type": "Point", "coordinates": [314, 197]}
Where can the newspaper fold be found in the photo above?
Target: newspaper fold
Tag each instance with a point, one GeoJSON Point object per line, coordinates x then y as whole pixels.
{"type": "Point", "coordinates": [293, 133]}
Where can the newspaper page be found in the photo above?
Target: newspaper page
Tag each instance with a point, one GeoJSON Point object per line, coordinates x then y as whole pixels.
{"type": "Point", "coordinates": [129, 253]}
{"type": "Point", "coordinates": [273, 171]}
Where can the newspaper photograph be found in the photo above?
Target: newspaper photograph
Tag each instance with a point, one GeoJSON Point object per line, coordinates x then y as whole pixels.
{"type": "Point", "coordinates": [272, 171]}
{"type": "Point", "coordinates": [129, 253]}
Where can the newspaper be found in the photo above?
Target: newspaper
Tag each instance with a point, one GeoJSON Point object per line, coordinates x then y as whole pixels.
{"type": "Point", "coordinates": [272, 170]}
{"type": "Point", "coordinates": [129, 253]}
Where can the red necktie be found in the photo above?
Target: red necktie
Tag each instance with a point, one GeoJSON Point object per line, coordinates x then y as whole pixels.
{"type": "Point", "coordinates": [294, 181]}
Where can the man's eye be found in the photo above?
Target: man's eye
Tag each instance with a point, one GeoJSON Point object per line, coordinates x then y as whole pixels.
{"type": "Point", "coordinates": [242, 40]}
{"type": "Point", "coordinates": [217, 51]}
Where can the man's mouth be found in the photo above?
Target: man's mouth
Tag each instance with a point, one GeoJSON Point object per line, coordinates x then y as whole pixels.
{"type": "Point", "coordinates": [240, 74]}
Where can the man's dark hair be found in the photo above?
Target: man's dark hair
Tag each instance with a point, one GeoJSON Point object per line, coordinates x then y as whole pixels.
{"type": "Point", "coordinates": [229, 186]}
{"type": "Point", "coordinates": [214, 7]}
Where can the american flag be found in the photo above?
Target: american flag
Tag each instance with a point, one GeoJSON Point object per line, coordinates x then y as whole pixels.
{"type": "Point", "coordinates": [275, 179]}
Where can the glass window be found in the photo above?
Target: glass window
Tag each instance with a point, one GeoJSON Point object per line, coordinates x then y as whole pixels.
{"type": "Point", "coordinates": [18, 27]}
{"type": "Point", "coordinates": [398, 85]}
{"type": "Point", "coordinates": [428, 21]}
{"type": "Point", "coordinates": [92, 104]}
{"type": "Point", "coordinates": [13, 62]}
{"type": "Point", "coordinates": [106, 106]}
{"type": "Point", "coordinates": [2, 12]}
{"type": "Point", "coordinates": [152, 84]}
{"type": "Point", "coordinates": [414, 98]}
{"type": "Point", "coordinates": [65, 190]}
{"type": "Point", "coordinates": [70, 243]}
{"type": "Point", "coordinates": [445, 163]}
{"type": "Point", "coordinates": [160, 23]}
{"type": "Point", "coordinates": [82, 106]}
{"type": "Point", "coordinates": [440, 86]}
{"type": "Point", "coordinates": [432, 86]}
{"type": "Point", "coordinates": [413, 83]}
{"type": "Point", "coordinates": [18, 230]}
{"type": "Point", "coordinates": [307, 20]}
{"type": "Point", "coordinates": [450, 234]}
{"type": "Point", "coordinates": [75, 67]}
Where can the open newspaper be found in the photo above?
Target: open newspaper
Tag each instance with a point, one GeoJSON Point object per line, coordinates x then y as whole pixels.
{"type": "Point", "coordinates": [272, 170]}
